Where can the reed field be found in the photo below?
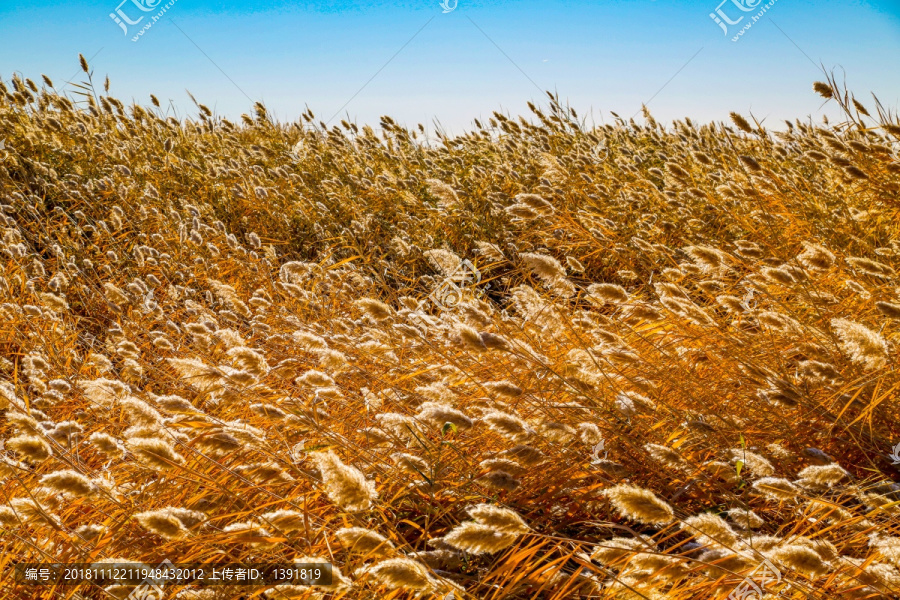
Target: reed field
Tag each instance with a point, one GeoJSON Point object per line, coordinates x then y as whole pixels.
{"type": "Point", "coordinates": [546, 359]}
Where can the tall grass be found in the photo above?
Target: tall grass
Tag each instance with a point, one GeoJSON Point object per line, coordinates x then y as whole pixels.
{"type": "Point", "coordinates": [220, 344]}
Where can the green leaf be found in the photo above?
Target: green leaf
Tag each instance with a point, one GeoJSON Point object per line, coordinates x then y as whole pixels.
{"type": "Point", "coordinates": [447, 427]}
{"type": "Point", "coordinates": [738, 466]}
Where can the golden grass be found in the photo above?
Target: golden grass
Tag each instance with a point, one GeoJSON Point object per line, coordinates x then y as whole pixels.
{"type": "Point", "coordinates": [681, 358]}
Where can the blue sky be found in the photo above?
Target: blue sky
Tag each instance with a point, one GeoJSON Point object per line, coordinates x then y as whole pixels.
{"type": "Point", "coordinates": [599, 56]}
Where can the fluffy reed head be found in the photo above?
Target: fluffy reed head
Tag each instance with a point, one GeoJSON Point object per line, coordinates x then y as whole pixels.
{"type": "Point", "coordinates": [617, 549]}
{"type": "Point", "coordinates": [107, 444]}
{"type": "Point", "coordinates": [500, 519]}
{"type": "Point", "coordinates": [607, 293]}
{"type": "Point", "coordinates": [800, 558]}
{"type": "Point", "coordinates": [359, 540]}
{"type": "Point", "coordinates": [344, 485]}
{"type": "Point", "coordinates": [776, 488]}
{"type": "Point", "coordinates": [30, 447]}
{"type": "Point", "coordinates": [375, 308]}
{"type": "Point", "coordinates": [441, 413]}
{"type": "Point", "coordinates": [639, 504]}
{"type": "Point", "coordinates": [155, 453]}
{"type": "Point", "coordinates": [401, 573]}
{"type": "Point", "coordinates": [710, 529]}
{"type": "Point", "coordinates": [163, 522]}
{"type": "Point", "coordinates": [69, 482]}
{"type": "Point", "coordinates": [479, 538]}
{"type": "Point", "coordinates": [863, 346]}
{"type": "Point", "coordinates": [822, 475]}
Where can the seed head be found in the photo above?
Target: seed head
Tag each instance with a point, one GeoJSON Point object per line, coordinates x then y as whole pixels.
{"type": "Point", "coordinates": [166, 523]}
{"type": "Point", "coordinates": [776, 488]}
{"type": "Point", "coordinates": [401, 573]}
{"type": "Point", "coordinates": [639, 504]}
{"type": "Point", "coordinates": [442, 413]}
{"type": "Point", "coordinates": [501, 519]}
{"type": "Point", "coordinates": [508, 425]}
{"type": "Point", "coordinates": [863, 346]}
{"type": "Point", "coordinates": [710, 529]}
{"type": "Point", "coordinates": [345, 485]}
{"type": "Point", "coordinates": [285, 520]}
{"type": "Point", "coordinates": [741, 123]}
{"type": "Point", "coordinates": [499, 480]}
{"type": "Point", "coordinates": [745, 518]}
{"type": "Point", "coordinates": [888, 309]}
{"type": "Point", "coordinates": [617, 549]}
{"type": "Point", "coordinates": [823, 89]}
{"type": "Point", "coordinates": [374, 308]}
{"type": "Point", "coordinates": [69, 482]}
{"type": "Point", "coordinates": [30, 447]}
{"type": "Point", "coordinates": [607, 293]}
{"type": "Point", "coordinates": [315, 379]}
{"type": "Point", "coordinates": [822, 475]}
{"type": "Point", "coordinates": [479, 538]}
{"type": "Point", "coordinates": [366, 542]}
{"type": "Point", "coordinates": [108, 445]}
{"type": "Point", "coordinates": [802, 559]}
{"type": "Point", "coordinates": [154, 453]}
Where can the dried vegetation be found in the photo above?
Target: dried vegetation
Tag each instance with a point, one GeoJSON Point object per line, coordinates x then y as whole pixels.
{"type": "Point", "coordinates": [220, 342]}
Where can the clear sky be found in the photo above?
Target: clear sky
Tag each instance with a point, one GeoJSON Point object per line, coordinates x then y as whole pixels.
{"type": "Point", "coordinates": [483, 56]}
